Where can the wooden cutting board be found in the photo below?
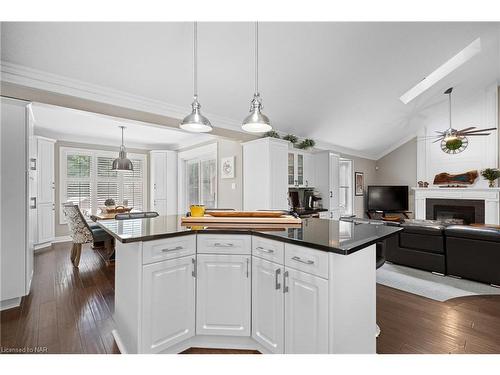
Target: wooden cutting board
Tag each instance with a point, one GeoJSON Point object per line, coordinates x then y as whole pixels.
{"type": "Point", "coordinates": [207, 219]}
{"type": "Point", "coordinates": [227, 213]}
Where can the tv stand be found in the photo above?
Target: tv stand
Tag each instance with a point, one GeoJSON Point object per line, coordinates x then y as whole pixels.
{"type": "Point", "coordinates": [388, 215]}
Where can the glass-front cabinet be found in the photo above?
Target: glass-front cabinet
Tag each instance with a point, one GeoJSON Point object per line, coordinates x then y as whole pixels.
{"type": "Point", "coordinates": [300, 169]}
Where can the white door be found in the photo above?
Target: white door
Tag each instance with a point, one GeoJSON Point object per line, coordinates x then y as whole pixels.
{"type": "Point", "coordinates": [223, 295]}
{"type": "Point", "coordinates": [306, 313]}
{"type": "Point", "coordinates": [267, 305]}
{"type": "Point", "coordinates": [168, 306]}
{"type": "Point", "coordinates": [160, 206]}
{"type": "Point", "coordinates": [158, 175]}
{"type": "Point", "coordinates": [46, 219]}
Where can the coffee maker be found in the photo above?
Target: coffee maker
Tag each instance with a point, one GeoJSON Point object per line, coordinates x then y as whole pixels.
{"type": "Point", "coordinates": [311, 201]}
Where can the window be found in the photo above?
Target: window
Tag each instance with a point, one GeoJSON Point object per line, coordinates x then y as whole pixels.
{"type": "Point", "coordinates": [346, 191]}
{"type": "Point", "coordinates": [198, 177]}
{"type": "Point", "coordinates": [87, 180]}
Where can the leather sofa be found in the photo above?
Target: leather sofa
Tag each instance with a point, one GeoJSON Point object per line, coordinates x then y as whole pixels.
{"type": "Point", "coordinates": [473, 253]}
{"type": "Point", "coordinates": [418, 246]}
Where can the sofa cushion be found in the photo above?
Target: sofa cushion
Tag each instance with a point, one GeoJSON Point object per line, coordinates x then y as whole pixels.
{"type": "Point", "coordinates": [474, 233]}
{"type": "Point", "coordinates": [430, 230]}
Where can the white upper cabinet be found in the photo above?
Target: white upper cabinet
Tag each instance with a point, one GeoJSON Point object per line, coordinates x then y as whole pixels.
{"type": "Point", "coordinates": [223, 299]}
{"type": "Point", "coordinates": [306, 313]}
{"type": "Point", "coordinates": [168, 310]}
{"type": "Point", "coordinates": [268, 305]}
{"type": "Point", "coordinates": [163, 186]}
{"type": "Point", "coordinates": [300, 169]}
{"type": "Point", "coordinates": [265, 182]}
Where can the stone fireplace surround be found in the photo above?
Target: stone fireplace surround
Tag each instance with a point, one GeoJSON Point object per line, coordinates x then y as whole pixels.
{"type": "Point", "coordinates": [490, 196]}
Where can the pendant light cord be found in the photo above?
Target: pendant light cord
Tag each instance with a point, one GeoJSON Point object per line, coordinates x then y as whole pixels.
{"type": "Point", "coordinates": [256, 57]}
{"type": "Point", "coordinates": [195, 59]}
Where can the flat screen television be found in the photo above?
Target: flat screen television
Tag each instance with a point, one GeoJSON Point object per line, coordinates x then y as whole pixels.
{"type": "Point", "coordinates": [388, 198]}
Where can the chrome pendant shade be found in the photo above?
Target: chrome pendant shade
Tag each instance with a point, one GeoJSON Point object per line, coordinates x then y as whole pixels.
{"type": "Point", "coordinates": [122, 163]}
{"type": "Point", "coordinates": [256, 121]}
{"type": "Point", "coordinates": [195, 121]}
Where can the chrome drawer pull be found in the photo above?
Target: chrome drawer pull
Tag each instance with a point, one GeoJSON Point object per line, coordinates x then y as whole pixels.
{"type": "Point", "coordinates": [172, 249]}
{"type": "Point", "coordinates": [276, 276]}
{"type": "Point", "coordinates": [307, 261]}
{"type": "Point", "coordinates": [269, 251]}
{"type": "Point", "coordinates": [193, 273]}
{"type": "Point", "coordinates": [285, 287]}
{"type": "Point", "coordinates": [218, 244]}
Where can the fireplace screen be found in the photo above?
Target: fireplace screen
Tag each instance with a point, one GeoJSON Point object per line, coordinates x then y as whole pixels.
{"type": "Point", "coordinates": [457, 211]}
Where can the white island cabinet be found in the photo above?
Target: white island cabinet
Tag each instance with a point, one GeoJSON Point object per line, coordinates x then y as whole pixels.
{"type": "Point", "coordinates": [241, 291]}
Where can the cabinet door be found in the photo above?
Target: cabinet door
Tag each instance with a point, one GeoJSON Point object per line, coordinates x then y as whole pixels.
{"type": "Point", "coordinates": [160, 206]}
{"type": "Point", "coordinates": [309, 171]}
{"type": "Point", "coordinates": [306, 313]}
{"type": "Point", "coordinates": [267, 305]}
{"type": "Point", "coordinates": [45, 222]}
{"type": "Point", "coordinates": [45, 171]}
{"type": "Point", "coordinates": [223, 295]}
{"type": "Point", "coordinates": [291, 169]}
{"type": "Point", "coordinates": [168, 306]}
{"type": "Point", "coordinates": [334, 182]}
{"type": "Point", "coordinates": [158, 175]}
{"type": "Point", "coordinates": [300, 169]}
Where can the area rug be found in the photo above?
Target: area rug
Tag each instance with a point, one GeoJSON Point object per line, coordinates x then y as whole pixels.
{"type": "Point", "coordinates": [426, 284]}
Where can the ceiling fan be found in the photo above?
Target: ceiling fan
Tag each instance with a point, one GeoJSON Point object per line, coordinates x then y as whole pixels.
{"type": "Point", "coordinates": [455, 141]}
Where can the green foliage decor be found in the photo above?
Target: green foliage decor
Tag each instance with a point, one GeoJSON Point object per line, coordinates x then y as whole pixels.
{"type": "Point", "coordinates": [306, 143]}
{"type": "Point", "coordinates": [291, 138]}
{"type": "Point", "coordinates": [271, 134]}
{"type": "Point", "coordinates": [491, 174]}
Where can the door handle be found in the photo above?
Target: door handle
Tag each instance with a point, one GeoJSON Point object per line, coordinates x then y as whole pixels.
{"type": "Point", "coordinates": [248, 263]}
{"type": "Point", "coordinates": [269, 251]}
{"type": "Point", "coordinates": [305, 261]}
{"type": "Point", "coordinates": [331, 194]}
{"type": "Point", "coordinates": [285, 287]}
{"type": "Point", "coordinates": [276, 279]}
{"type": "Point", "coordinates": [33, 203]}
{"type": "Point", "coordinates": [33, 164]}
{"type": "Point", "coordinates": [172, 249]}
{"type": "Point", "coordinates": [193, 273]}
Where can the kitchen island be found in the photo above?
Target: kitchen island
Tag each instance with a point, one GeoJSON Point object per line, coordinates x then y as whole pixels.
{"type": "Point", "coordinates": [307, 288]}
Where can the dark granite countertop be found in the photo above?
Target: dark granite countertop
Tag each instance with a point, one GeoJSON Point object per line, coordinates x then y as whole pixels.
{"type": "Point", "coordinates": [328, 235]}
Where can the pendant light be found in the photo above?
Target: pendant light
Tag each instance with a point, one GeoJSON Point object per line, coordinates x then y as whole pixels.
{"type": "Point", "coordinates": [122, 163]}
{"type": "Point", "coordinates": [256, 121]}
{"type": "Point", "coordinates": [195, 121]}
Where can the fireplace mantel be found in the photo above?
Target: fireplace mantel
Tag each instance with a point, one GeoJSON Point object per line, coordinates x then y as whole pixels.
{"type": "Point", "coordinates": [491, 197]}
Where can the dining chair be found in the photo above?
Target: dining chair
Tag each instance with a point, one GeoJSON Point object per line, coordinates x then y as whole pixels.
{"type": "Point", "coordinates": [136, 215]}
{"type": "Point", "coordinates": [81, 232]}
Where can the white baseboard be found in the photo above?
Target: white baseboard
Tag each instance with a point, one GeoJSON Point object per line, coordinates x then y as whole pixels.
{"type": "Point", "coordinates": [44, 245]}
{"type": "Point", "coordinates": [10, 303]}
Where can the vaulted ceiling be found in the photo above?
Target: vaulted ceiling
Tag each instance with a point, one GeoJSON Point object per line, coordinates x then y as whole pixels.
{"type": "Point", "coordinates": [338, 83]}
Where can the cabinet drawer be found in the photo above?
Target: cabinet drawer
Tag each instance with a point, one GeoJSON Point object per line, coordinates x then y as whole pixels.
{"type": "Point", "coordinates": [224, 244]}
{"type": "Point", "coordinates": [308, 260]}
{"type": "Point", "coordinates": [268, 249]}
{"type": "Point", "coordinates": [168, 248]}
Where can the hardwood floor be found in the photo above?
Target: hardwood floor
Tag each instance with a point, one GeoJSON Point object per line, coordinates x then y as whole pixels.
{"type": "Point", "coordinates": [69, 310]}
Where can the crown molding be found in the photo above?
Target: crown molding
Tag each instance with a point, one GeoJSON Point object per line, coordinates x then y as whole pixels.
{"type": "Point", "coordinates": [24, 76]}
{"type": "Point", "coordinates": [29, 77]}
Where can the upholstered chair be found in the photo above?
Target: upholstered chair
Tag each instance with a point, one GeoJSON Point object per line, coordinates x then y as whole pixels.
{"type": "Point", "coordinates": [81, 232]}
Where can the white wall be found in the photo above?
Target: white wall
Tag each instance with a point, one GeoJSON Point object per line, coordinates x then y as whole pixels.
{"type": "Point", "coordinates": [474, 108]}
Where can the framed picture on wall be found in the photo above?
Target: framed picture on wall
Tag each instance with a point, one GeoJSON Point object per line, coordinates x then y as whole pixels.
{"type": "Point", "coordinates": [227, 167]}
{"type": "Point", "coordinates": [359, 183]}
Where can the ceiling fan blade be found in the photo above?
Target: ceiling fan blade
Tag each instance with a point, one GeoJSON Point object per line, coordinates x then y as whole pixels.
{"type": "Point", "coordinates": [437, 140]}
{"type": "Point", "coordinates": [476, 131]}
{"type": "Point", "coordinates": [470, 135]}
{"type": "Point", "coordinates": [467, 129]}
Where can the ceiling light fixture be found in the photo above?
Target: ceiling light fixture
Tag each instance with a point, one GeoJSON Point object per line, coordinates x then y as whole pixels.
{"type": "Point", "coordinates": [449, 66]}
{"type": "Point", "coordinates": [195, 121]}
{"type": "Point", "coordinates": [256, 121]}
{"type": "Point", "coordinates": [122, 163]}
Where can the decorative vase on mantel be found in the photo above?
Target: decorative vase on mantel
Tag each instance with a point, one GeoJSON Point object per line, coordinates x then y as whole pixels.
{"type": "Point", "coordinates": [491, 174]}
{"type": "Point", "coordinates": [491, 183]}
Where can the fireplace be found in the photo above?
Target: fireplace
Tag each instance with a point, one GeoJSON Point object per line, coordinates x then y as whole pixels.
{"type": "Point", "coordinates": [468, 210]}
